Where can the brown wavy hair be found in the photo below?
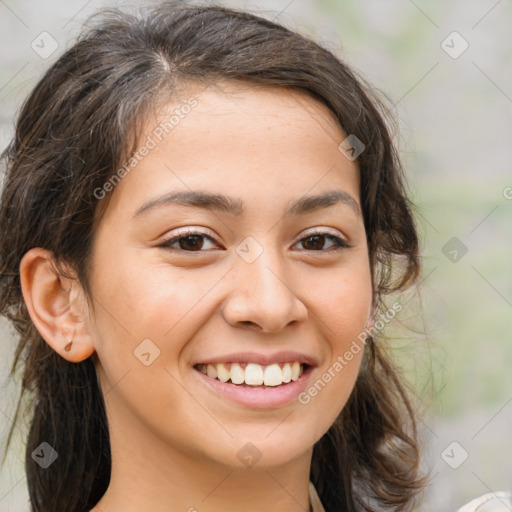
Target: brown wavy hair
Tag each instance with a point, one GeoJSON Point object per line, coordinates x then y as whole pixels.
{"type": "Point", "coordinates": [76, 128]}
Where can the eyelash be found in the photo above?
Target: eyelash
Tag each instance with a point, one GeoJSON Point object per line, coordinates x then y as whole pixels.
{"type": "Point", "coordinates": [339, 243]}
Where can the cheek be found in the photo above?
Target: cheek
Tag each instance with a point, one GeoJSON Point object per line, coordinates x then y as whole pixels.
{"type": "Point", "coordinates": [142, 308]}
{"type": "Point", "coordinates": [137, 298]}
{"type": "Point", "coordinates": [342, 300]}
{"type": "Point", "coordinates": [340, 304]}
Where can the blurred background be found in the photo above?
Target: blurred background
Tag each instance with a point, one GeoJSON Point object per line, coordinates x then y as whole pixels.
{"type": "Point", "coordinates": [446, 68]}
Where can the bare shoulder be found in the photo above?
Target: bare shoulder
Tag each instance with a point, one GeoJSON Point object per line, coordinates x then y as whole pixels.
{"type": "Point", "coordinates": [492, 502]}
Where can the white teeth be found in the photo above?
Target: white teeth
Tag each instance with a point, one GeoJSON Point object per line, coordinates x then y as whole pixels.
{"type": "Point", "coordinates": [287, 372]}
{"type": "Point", "coordinates": [272, 376]}
{"type": "Point", "coordinates": [211, 371]}
{"type": "Point", "coordinates": [295, 370]}
{"type": "Point", "coordinates": [222, 373]}
{"type": "Point", "coordinates": [254, 374]}
{"type": "Point", "coordinates": [237, 374]}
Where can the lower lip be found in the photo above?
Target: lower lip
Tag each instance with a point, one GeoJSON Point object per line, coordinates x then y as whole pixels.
{"type": "Point", "coordinates": [259, 397]}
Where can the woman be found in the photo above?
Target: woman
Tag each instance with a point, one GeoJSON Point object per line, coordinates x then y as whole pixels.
{"type": "Point", "coordinates": [202, 217]}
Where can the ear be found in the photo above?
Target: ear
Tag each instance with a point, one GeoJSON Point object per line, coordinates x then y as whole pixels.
{"type": "Point", "coordinates": [57, 305]}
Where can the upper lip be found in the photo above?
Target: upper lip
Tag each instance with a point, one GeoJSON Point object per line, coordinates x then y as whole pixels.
{"type": "Point", "coordinates": [260, 358]}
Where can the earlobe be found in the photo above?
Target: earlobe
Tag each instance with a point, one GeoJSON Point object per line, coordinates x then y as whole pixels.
{"type": "Point", "coordinates": [56, 305]}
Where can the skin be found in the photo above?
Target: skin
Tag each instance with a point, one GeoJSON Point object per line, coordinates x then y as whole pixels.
{"type": "Point", "coordinates": [174, 442]}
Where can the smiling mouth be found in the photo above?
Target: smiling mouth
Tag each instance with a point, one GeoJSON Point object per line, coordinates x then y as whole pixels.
{"type": "Point", "coordinates": [254, 375]}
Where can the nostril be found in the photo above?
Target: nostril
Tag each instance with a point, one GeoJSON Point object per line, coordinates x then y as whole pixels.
{"type": "Point", "coordinates": [248, 323]}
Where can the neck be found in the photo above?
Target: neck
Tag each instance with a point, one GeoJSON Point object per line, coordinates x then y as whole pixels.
{"type": "Point", "coordinates": [155, 476]}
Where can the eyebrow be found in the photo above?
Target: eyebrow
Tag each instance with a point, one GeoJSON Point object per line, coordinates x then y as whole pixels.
{"type": "Point", "coordinates": [235, 206]}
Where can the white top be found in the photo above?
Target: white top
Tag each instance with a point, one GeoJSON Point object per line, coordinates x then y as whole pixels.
{"type": "Point", "coordinates": [316, 504]}
{"type": "Point", "coordinates": [491, 502]}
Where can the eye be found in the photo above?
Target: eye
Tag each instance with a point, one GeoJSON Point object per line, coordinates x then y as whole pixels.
{"type": "Point", "coordinates": [189, 240]}
{"type": "Point", "coordinates": [316, 240]}
{"type": "Point", "coordinates": [192, 240]}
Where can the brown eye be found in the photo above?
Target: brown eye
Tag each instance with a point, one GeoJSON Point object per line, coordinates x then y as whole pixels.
{"type": "Point", "coordinates": [190, 242]}
{"type": "Point", "coordinates": [314, 243]}
{"type": "Point", "coordinates": [317, 241]}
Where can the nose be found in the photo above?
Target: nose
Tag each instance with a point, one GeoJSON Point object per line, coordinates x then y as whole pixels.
{"type": "Point", "coordinates": [261, 297]}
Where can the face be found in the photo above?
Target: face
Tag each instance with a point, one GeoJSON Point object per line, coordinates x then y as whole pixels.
{"type": "Point", "coordinates": [235, 247]}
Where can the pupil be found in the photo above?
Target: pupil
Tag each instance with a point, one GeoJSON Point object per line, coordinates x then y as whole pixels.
{"type": "Point", "coordinates": [316, 239]}
{"type": "Point", "coordinates": [191, 242]}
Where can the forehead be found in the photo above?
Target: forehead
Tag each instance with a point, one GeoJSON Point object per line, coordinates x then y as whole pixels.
{"type": "Point", "coordinates": [238, 104]}
{"type": "Point", "coordinates": [237, 137]}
